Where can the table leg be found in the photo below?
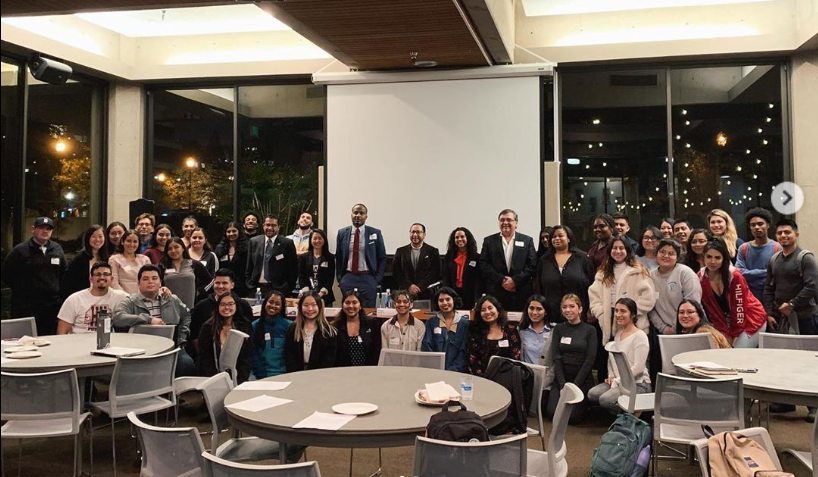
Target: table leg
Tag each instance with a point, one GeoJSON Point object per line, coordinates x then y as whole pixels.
{"type": "Point", "coordinates": [282, 453]}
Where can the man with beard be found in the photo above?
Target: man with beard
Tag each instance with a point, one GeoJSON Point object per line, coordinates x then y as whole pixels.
{"type": "Point", "coordinates": [301, 237]}
{"type": "Point", "coordinates": [507, 262]}
{"type": "Point", "coordinates": [360, 257]}
{"type": "Point", "coordinates": [80, 311]}
{"type": "Point", "coordinates": [250, 222]}
{"type": "Point", "coordinates": [417, 265]}
{"type": "Point", "coordinates": [604, 227]}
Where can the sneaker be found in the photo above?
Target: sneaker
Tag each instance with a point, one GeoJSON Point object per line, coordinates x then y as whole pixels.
{"type": "Point", "coordinates": [811, 414]}
{"type": "Point", "coordinates": [781, 408]}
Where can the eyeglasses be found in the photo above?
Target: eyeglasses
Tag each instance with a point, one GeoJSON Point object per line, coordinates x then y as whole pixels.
{"type": "Point", "coordinates": [650, 238]}
{"type": "Point", "coordinates": [503, 221]}
{"type": "Point", "coordinates": [102, 274]}
{"type": "Point", "coordinates": [667, 254]}
{"type": "Point", "coordinates": [227, 305]}
{"type": "Point", "coordinates": [688, 312]}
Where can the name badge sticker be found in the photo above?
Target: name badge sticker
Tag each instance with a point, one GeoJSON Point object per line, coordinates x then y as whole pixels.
{"type": "Point", "coordinates": [267, 337]}
{"type": "Point", "coordinates": [280, 256]}
{"type": "Point", "coordinates": [503, 344]}
{"type": "Point", "coordinates": [438, 331]}
{"type": "Point", "coordinates": [395, 341]}
{"type": "Point", "coordinates": [360, 340]}
{"type": "Point", "coordinates": [566, 340]}
{"type": "Point", "coordinates": [519, 243]}
{"type": "Point", "coordinates": [55, 261]}
{"type": "Point", "coordinates": [373, 237]}
{"type": "Point", "coordinates": [324, 265]}
{"type": "Point", "coordinates": [473, 263]}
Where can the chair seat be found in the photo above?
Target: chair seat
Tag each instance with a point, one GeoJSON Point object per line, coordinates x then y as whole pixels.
{"type": "Point", "coordinates": [644, 402]}
{"type": "Point", "coordinates": [804, 456]}
{"type": "Point", "coordinates": [138, 406]}
{"type": "Point", "coordinates": [41, 428]}
{"type": "Point", "coordinates": [686, 434]}
{"type": "Point", "coordinates": [187, 383]}
{"type": "Point", "coordinates": [248, 449]}
{"type": "Point", "coordinates": [537, 465]}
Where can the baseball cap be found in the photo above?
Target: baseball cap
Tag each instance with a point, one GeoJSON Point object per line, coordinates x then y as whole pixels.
{"type": "Point", "coordinates": [43, 221]}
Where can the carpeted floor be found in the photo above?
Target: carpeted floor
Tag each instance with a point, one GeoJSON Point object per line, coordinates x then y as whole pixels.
{"type": "Point", "coordinates": [52, 457]}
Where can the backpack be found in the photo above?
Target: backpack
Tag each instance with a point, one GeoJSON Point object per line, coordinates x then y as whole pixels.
{"type": "Point", "coordinates": [458, 426]}
{"type": "Point", "coordinates": [799, 259]}
{"type": "Point", "coordinates": [731, 454]}
{"type": "Point", "coordinates": [519, 380]}
{"type": "Point", "coordinates": [620, 447]}
{"type": "Point", "coordinates": [742, 250]}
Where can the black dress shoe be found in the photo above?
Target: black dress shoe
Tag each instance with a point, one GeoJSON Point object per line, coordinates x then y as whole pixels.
{"type": "Point", "coordinates": [780, 408]}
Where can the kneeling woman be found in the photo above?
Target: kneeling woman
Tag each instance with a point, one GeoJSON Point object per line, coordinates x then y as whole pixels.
{"type": "Point", "coordinates": [214, 335]}
{"type": "Point", "coordinates": [311, 342]}
{"type": "Point", "coordinates": [574, 351]}
{"type": "Point", "coordinates": [634, 344]}
{"type": "Point", "coordinates": [269, 332]}
{"type": "Point", "coordinates": [359, 336]}
{"type": "Point", "coordinates": [490, 334]}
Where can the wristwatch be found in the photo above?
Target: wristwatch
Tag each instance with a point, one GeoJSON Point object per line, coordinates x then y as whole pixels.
{"type": "Point", "coordinates": [791, 304]}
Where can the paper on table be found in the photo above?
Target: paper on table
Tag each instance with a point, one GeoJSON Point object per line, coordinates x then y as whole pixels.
{"type": "Point", "coordinates": [256, 309]}
{"type": "Point", "coordinates": [707, 365]}
{"type": "Point", "coordinates": [258, 403]}
{"type": "Point", "coordinates": [262, 385]}
{"type": "Point", "coordinates": [440, 392]}
{"type": "Point", "coordinates": [325, 420]}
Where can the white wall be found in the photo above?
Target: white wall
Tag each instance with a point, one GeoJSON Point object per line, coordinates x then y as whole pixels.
{"type": "Point", "coordinates": [804, 93]}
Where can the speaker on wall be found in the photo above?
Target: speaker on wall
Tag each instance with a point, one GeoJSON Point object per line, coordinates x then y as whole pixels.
{"type": "Point", "coordinates": [49, 71]}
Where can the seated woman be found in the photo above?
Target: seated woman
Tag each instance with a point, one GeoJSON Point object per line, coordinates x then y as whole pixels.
{"type": "Point", "coordinates": [311, 342]}
{"type": "Point", "coordinates": [634, 343]}
{"type": "Point", "coordinates": [404, 331]}
{"type": "Point", "coordinates": [214, 334]}
{"type": "Point", "coordinates": [448, 331]}
{"type": "Point", "coordinates": [534, 331]}
{"type": "Point", "coordinates": [490, 334]}
{"type": "Point", "coordinates": [269, 332]}
{"type": "Point", "coordinates": [359, 336]}
{"type": "Point", "coordinates": [693, 319]}
{"type": "Point", "coordinates": [574, 352]}
{"type": "Point", "coordinates": [728, 301]}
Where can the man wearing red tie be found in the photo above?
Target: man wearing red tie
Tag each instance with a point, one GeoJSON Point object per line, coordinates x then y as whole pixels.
{"type": "Point", "coordinates": [360, 257]}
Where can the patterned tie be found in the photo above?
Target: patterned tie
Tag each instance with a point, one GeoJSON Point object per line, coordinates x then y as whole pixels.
{"type": "Point", "coordinates": [356, 242]}
{"type": "Point", "coordinates": [268, 255]}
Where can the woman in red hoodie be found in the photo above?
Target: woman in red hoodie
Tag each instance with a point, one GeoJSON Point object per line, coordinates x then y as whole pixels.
{"type": "Point", "coordinates": [729, 304]}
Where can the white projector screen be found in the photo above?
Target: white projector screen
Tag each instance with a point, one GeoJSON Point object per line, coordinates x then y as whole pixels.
{"type": "Point", "coordinates": [443, 153]}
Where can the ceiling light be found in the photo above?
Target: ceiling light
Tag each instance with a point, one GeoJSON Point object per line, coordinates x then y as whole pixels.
{"type": "Point", "coordinates": [596, 121]}
{"type": "Point", "coordinates": [413, 55]}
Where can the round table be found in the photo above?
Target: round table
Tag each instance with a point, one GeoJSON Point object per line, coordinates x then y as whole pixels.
{"type": "Point", "coordinates": [396, 422]}
{"type": "Point", "coordinates": [74, 351]}
{"type": "Point", "coordinates": [784, 376]}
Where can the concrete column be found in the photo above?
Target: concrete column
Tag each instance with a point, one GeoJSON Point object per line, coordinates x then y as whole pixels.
{"type": "Point", "coordinates": [126, 158]}
{"type": "Point", "coordinates": [804, 114]}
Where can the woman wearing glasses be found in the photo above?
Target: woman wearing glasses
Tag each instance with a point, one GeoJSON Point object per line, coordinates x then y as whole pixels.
{"type": "Point", "coordinates": [646, 252]}
{"type": "Point", "coordinates": [213, 337]}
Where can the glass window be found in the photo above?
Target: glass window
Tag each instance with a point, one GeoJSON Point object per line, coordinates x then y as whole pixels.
{"type": "Point", "coordinates": [10, 193]}
{"type": "Point", "coordinates": [727, 140]}
{"type": "Point", "coordinates": [614, 148]}
{"type": "Point", "coordinates": [192, 157]}
{"type": "Point", "coordinates": [282, 150]}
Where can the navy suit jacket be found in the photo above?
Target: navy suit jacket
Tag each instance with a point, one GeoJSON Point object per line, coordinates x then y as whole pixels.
{"type": "Point", "coordinates": [374, 249]}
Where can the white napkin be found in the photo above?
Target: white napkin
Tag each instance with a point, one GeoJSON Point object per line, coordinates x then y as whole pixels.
{"type": "Point", "coordinates": [440, 392]}
{"type": "Point", "coordinates": [258, 403]}
{"type": "Point", "coordinates": [262, 385]}
{"type": "Point", "coordinates": [325, 420]}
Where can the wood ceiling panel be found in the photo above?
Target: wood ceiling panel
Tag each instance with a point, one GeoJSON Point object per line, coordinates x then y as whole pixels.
{"type": "Point", "coordinates": [60, 7]}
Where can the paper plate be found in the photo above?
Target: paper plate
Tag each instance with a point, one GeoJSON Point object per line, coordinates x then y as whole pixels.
{"type": "Point", "coordinates": [34, 341]}
{"type": "Point", "coordinates": [355, 408]}
{"type": "Point", "coordinates": [420, 398]}
{"type": "Point", "coordinates": [17, 349]}
{"type": "Point", "coordinates": [25, 354]}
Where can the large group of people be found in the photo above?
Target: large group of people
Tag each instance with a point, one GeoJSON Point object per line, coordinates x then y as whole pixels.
{"type": "Point", "coordinates": [622, 292]}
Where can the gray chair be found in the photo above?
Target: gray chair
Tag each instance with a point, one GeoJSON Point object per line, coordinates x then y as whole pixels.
{"type": "Point", "coordinates": [552, 463]}
{"type": "Point", "coordinates": [416, 359]}
{"type": "Point", "coordinates": [501, 457]}
{"type": "Point", "coordinates": [778, 341]}
{"type": "Point", "coordinates": [44, 405]}
{"type": "Point", "coordinates": [182, 285]}
{"type": "Point", "coordinates": [17, 328]}
{"type": "Point", "coordinates": [425, 305]}
{"type": "Point", "coordinates": [218, 467]}
{"type": "Point", "coordinates": [536, 399]}
{"type": "Point", "coordinates": [809, 459]}
{"type": "Point", "coordinates": [629, 400]}
{"type": "Point", "coordinates": [671, 345]}
{"type": "Point", "coordinates": [139, 385]}
{"type": "Point", "coordinates": [758, 434]}
{"type": "Point", "coordinates": [165, 331]}
{"type": "Point", "coordinates": [169, 451]}
{"type": "Point", "coordinates": [683, 404]}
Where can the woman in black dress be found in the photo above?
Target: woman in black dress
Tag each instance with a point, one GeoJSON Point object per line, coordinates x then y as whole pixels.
{"type": "Point", "coordinates": [359, 336]}
{"type": "Point", "coordinates": [232, 253]}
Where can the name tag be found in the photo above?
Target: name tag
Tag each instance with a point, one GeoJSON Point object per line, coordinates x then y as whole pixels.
{"type": "Point", "coordinates": [360, 340]}
{"type": "Point", "coordinates": [438, 331]}
{"type": "Point", "coordinates": [519, 243]}
{"type": "Point", "coordinates": [473, 263]}
{"type": "Point", "coordinates": [170, 271]}
{"type": "Point", "coordinates": [324, 265]}
{"type": "Point", "coordinates": [395, 341]}
{"type": "Point", "coordinates": [373, 237]}
{"type": "Point", "coordinates": [224, 258]}
{"type": "Point", "coordinates": [503, 344]}
{"type": "Point", "coordinates": [203, 262]}
{"type": "Point", "coordinates": [514, 316]}
{"type": "Point", "coordinates": [127, 268]}
{"type": "Point", "coordinates": [267, 337]}
{"type": "Point", "coordinates": [55, 261]}
{"type": "Point", "coordinates": [566, 340]}
{"type": "Point", "coordinates": [280, 256]}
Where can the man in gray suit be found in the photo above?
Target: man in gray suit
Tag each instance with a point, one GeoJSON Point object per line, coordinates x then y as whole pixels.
{"type": "Point", "coordinates": [271, 260]}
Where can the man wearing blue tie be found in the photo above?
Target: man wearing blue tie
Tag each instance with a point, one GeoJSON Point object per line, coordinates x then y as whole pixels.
{"type": "Point", "coordinates": [360, 257]}
{"type": "Point", "coordinates": [271, 260]}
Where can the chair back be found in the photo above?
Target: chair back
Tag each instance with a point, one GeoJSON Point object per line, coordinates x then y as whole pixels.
{"type": "Point", "coordinates": [425, 305]}
{"type": "Point", "coordinates": [570, 396]}
{"type": "Point", "coordinates": [140, 377]}
{"type": "Point", "coordinates": [778, 341]}
{"type": "Point", "coordinates": [169, 450]}
{"type": "Point", "coordinates": [218, 467]}
{"type": "Point", "coordinates": [214, 390]}
{"type": "Point", "coordinates": [686, 403]}
{"type": "Point", "coordinates": [17, 328]}
{"type": "Point", "coordinates": [416, 359]}
{"type": "Point", "coordinates": [182, 285]}
{"type": "Point", "coordinates": [627, 383]}
{"type": "Point", "coordinates": [506, 457]}
{"type": "Point", "coordinates": [40, 396]}
{"type": "Point", "coordinates": [539, 376]}
{"type": "Point", "coordinates": [230, 353]}
{"type": "Point", "coordinates": [671, 345]}
{"type": "Point", "coordinates": [758, 434]}
{"type": "Point", "coordinates": [165, 331]}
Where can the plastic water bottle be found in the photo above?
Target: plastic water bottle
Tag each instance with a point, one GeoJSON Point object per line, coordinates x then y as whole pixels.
{"type": "Point", "coordinates": [642, 463]}
{"type": "Point", "coordinates": [466, 387]}
{"type": "Point", "coordinates": [387, 299]}
{"type": "Point", "coordinates": [259, 297]}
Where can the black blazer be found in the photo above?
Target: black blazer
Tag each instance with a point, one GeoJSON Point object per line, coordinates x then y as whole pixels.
{"type": "Point", "coordinates": [284, 264]}
{"type": "Point", "coordinates": [77, 277]}
{"type": "Point", "coordinates": [322, 355]}
{"type": "Point", "coordinates": [577, 275]}
{"type": "Point", "coordinates": [427, 272]}
{"type": "Point", "coordinates": [370, 333]}
{"type": "Point", "coordinates": [326, 274]}
{"type": "Point", "coordinates": [472, 279]}
{"type": "Point", "coordinates": [238, 263]}
{"type": "Point", "coordinates": [523, 265]}
{"type": "Point", "coordinates": [207, 364]}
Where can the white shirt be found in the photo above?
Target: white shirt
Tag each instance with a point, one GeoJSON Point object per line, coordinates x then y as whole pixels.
{"type": "Point", "coordinates": [271, 242]}
{"type": "Point", "coordinates": [361, 247]}
{"type": "Point", "coordinates": [81, 308]}
{"type": "Point", "coordinates": [508, 250]}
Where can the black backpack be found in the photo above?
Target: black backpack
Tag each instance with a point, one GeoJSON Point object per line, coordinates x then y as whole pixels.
{"type": "Point", "coordinates": [519, 380]}
{"type": "Point", "coordinates": [458, 426]}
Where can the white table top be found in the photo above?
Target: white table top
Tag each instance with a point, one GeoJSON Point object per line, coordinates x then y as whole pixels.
{"type": "Point", "coordinates": [74, 351]}
{"type": "Point", "coordinates": [791, 375]}
{"type": "Point", "coordinates": [396, 422]}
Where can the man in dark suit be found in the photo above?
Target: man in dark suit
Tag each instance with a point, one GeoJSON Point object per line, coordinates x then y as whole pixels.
{"type": "Point", "coordinates": [417, 265]}
{"type": "Point", "coordinates": [360, 257]}
{"type": "Point", "coordinates": [508, 261]}
{"type": "Point", "coordinates": [271, 260]}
